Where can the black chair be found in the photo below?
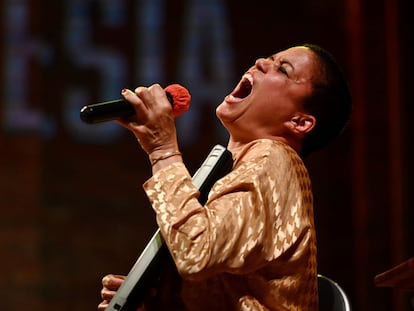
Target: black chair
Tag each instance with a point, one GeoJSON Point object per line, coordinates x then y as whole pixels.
{"type": "Point", "coordinates": [331, 296]}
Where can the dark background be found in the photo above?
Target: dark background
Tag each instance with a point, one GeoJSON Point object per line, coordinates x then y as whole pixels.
{"type": "Point", "coordinates": [73, 211]}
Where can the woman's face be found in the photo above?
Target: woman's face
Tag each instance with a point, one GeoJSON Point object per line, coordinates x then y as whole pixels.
{"type": "Point", "coordinates": [269, 95]}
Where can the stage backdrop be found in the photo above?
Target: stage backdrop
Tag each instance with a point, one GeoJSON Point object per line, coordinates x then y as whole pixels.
{"type": "Point", "coordinates": [72, 204]}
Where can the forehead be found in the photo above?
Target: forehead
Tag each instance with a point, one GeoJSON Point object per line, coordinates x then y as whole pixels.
{"type": "Point", "coordinates": [298, 54]}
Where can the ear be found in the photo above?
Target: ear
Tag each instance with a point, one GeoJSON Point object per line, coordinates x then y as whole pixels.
{"type": "Point", "coordinates": [302, 123]}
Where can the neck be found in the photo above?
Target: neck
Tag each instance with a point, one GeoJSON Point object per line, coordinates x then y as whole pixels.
{"type": "Point", "coordinates": [234, 146]}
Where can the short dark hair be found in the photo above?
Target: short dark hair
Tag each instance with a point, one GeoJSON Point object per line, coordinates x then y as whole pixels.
{"type": "Point", "coordinates": [330, 103]}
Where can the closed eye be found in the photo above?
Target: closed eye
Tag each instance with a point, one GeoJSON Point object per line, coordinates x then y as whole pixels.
{"type": "Point", "coordinates": [286, 68]}
{"type": "Point", "coordinates": [283, 70]}
{"type": "Point", "coordinates": [282, 64]}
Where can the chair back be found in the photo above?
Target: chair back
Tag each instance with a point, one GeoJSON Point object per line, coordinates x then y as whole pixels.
{"type": "Point", "coordinates": [331, 296]}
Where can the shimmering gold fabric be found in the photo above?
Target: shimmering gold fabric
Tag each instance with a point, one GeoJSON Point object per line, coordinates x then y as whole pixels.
{"type": "Point", "coordinates": [252, 246]}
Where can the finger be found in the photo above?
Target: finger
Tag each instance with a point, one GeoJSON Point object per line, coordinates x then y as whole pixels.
{"type": "Point", "coordinates": [129, 95]}
{"type": "Point", "coordinates": [114, 276]}
{"type": "Point", "coordinates": [136, 103]}
{"type": "Point", "coordinates": [124, 123]}
{"type": "Point", "coordinates": [161, 97]}
{"type": "Point", "coordinates": [107, 294]}
{"type": "Point", "coordinates": [103, 305]}
{"type": "Point", "coordinates": [154, 99]}
{"type": "Point", "coordinates": [144, 95]}
{"type": "Point", "coordinates": [112, 281]}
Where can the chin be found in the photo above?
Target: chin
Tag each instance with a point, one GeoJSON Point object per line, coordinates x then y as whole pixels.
{"type": "Point", "coordinates": [220, 111]}
{"type": "Point", "coordinates": [224, 115]}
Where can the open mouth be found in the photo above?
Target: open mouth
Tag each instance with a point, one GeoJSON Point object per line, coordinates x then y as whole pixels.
{"type": "Point", "coordinates": [244, 88]}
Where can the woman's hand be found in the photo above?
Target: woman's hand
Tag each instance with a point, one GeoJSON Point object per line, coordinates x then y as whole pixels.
{"type": "Point", "coordinates": [153, 124]}
{"type": "Point", "coordinates": [111, 284]}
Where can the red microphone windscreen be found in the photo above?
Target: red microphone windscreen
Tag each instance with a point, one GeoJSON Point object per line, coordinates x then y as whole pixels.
{"type": "Point", "coordinates": [181, 98]}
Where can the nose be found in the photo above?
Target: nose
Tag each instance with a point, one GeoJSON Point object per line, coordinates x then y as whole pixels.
{"type": "Point", "coordinates": [263, 64]}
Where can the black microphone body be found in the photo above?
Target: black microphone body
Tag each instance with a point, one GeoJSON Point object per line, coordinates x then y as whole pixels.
{"type": "Point", "coordinates": [110, 110]}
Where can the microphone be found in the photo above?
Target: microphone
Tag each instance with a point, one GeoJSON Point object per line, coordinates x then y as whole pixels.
{"type": "Point", "coordinates": [177, 95]}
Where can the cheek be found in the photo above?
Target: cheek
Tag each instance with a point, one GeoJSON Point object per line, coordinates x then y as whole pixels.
{"type": "Point", "coordinates": [264, 114]}
{"type": "Point", "coordinates": [275, 116]}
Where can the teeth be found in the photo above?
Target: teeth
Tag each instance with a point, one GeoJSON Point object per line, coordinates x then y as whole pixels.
{"type": "Point", "coordinates": [249, 77]}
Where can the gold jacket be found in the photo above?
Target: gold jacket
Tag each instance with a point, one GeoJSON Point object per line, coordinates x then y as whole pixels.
{"type": "Point", "coordinates": [252, 246]}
